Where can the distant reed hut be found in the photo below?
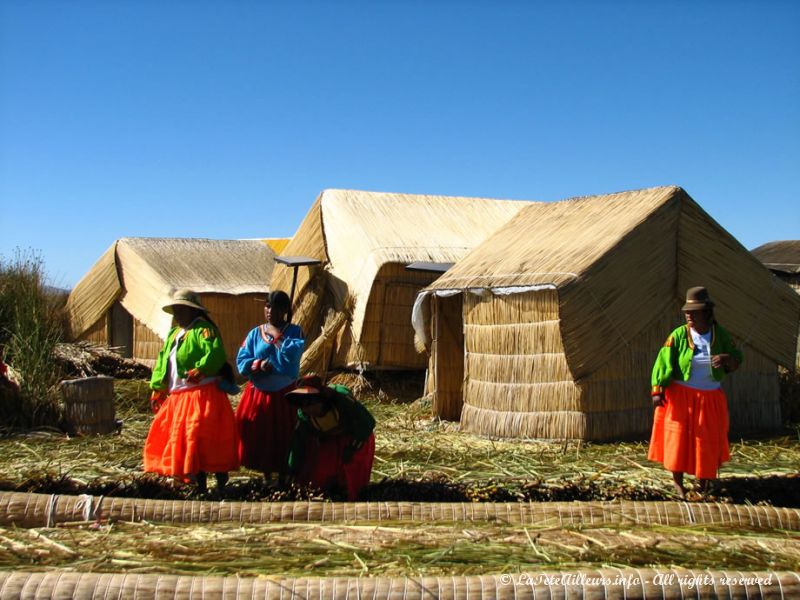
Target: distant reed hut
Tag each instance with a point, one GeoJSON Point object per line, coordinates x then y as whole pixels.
{"type": "Point", "coordinates": [549, 328]}
{"type": "Point", "coordinates": [783, 259]}
{"type": "Point", "coordinates": [119, 301]}
{"type": "Point", "coordinates": [365, 240]}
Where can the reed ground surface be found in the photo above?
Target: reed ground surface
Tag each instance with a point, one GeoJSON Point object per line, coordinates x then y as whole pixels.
{"type": "Point", "coordinates": [417, 458]}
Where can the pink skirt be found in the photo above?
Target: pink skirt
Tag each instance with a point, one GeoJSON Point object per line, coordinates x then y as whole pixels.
{"type": "Point", "coordinates": [324, 466]}
{"type": "Point", "coordinates": [690, 432]}
{"type": "Point", "coordinates": [266, 424]}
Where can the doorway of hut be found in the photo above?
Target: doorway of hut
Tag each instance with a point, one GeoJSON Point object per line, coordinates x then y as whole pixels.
{"type": "Point", "coordinates": [447, 352]}
{"type": "Point", "coordinates": [120, 331]}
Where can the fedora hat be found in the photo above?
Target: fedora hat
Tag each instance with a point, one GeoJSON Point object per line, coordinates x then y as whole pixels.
{"type": "Point", "coordinates": [184, 297]}
{"type": "Point", "coordinates": [697, 298]}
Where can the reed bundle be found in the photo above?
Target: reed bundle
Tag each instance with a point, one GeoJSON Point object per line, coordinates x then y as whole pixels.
{"type": "Point", "coordinates": [634, 584]}
{"type": "Point", "coordinates": [316, 357]}
{"type": "Point", "coordinates": [42, 510]}
{"type": "Point", "coordinates": [87, 359]}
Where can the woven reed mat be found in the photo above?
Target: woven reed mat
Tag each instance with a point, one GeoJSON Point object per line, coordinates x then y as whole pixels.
{"type": "Point", "coordinates": [631, 584]}
{"type": "Point", "coordinates": [43, 510]}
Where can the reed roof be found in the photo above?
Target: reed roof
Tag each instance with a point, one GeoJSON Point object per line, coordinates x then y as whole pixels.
{"type": "Point", "coordinates": [783, 256]}
{"type": "Point", "coordinates": [355, 233]}
{"type": "Point", "coordinates": [277, 244]}
{"type": "Point", "coordinates": [619, 261]}
{"type": "Point", "coordinates": [142, 273]}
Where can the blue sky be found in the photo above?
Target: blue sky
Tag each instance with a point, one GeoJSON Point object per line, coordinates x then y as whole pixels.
{"type": "Point", "coordinates": [226, 119]}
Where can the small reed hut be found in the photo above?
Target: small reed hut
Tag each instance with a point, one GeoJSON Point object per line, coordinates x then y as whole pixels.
{"type": "Point", "coordinates": [119, 301]}
{"type": "Point", "coordinates": [549, 329]}
{"type": "Point", "coordinates": [783, 259]}
{"type": "Point", "coordinates": [364, 241]}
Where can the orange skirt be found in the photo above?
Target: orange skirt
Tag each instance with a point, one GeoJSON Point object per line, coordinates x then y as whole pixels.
{"type": "Point", "coordinates": [194, 431]}
{"type": "Point", "coordinates": [690, 432]}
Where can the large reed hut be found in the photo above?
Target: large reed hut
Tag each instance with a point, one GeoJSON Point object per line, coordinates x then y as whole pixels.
{"type": "Point", "coordinates": [364, 241]}
{"type": "Point", "coordinates": [549, 329]}
{"type": "Point", "coordinates": [119, 301]}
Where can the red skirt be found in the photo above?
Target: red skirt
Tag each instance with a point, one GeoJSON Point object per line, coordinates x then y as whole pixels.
{"type": "Point", "coordinates": [690, 432]}
{"type": "Point", "coordinates": [194, 431]}
{"type": "Point", "coordinates": [324, 467]}
{"type": "Point", "coordinates": [266, 424]}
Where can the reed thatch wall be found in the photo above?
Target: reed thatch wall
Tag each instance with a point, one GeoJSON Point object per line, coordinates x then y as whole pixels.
{"type": "Point", "coordinates": [97, 333]}
{"type": "Point", "coordinates": [364, 239]}
{"type": "Point", "coordinates": [740, 285]}
{"type": "Point", "coordinates": [518, 384]}
{"type": "Point", "coordinates": [235, 316]}
{"type": "Point", "coordinates": [516, 379]}
{"type": "Point", "coordinates": [387, 338]}
{"type": "Point", "coordinates": [146, 343]}
{"type": "Point", "coordinates": [574, 361]}
{"type": "Point", "coordinates": [623, 290]}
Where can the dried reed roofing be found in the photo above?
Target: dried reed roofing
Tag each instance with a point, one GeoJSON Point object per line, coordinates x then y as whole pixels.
{"type": "Point", "coordinates": [553, 243]}
{"type": "Point", "coordinates": [624, 259]}
{"type": "Point", "coordinates": [358, 232]}
{"type": "Point", "coordinates": [143, 272]}
{"type": "Point", "coordinates": [783, 256]}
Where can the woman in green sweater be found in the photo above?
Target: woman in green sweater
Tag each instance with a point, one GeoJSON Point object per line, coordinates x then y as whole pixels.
{"type": "Point", "coordinates": [690, 426]}
{"type": "Point", "coordinates": [194, 431]}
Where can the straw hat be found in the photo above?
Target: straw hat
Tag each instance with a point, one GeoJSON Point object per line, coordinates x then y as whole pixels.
{"type": "Point", "coordinates": [697, 298]}
{"type": "Point", "coordinates": [185, 297]}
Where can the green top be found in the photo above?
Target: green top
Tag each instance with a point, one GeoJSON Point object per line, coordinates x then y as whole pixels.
{"type": "Point", "coordinates": [674, 360]}
{"type": "Point", "coordinates": [200, 348]}
{"type": "Point", "coordinates": [345, 416]}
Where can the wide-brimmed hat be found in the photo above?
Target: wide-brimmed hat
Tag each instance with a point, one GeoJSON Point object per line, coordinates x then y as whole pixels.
{"type": "Point", "coordinates": [697, 298]}
{"type": "Point", "coordinates": [184, 297]}
{"type": "Point", "coordinates": [309, 389]}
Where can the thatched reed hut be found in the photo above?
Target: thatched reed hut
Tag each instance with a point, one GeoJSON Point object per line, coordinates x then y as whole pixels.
{"type": "Point", "coordinates": [365, 240]}
{"type": "Point", "coordinates": [119, 301]}
{"type": "Point", "coordinates": [783, 259]}
{"type": "Point", "coordinates": [550, 327]}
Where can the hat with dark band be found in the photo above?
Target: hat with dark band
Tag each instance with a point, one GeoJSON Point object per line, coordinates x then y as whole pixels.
{"type": "Point", "coordinates": [697, 298]}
